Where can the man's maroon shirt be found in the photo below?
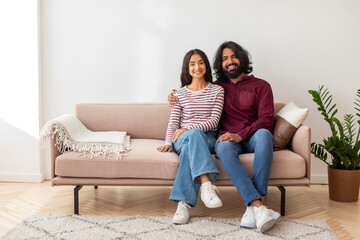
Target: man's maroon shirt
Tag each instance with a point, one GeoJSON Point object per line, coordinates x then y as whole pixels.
{"type": "Point", "coordinates": [248, 106]}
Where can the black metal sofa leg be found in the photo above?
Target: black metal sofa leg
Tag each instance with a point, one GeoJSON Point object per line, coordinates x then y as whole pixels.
{"type": "Point", "coordinates": [282, 209]}
{"type": "Point", "coordinates": [76, 199]}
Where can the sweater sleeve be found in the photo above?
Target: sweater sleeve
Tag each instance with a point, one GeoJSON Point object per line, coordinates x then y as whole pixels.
{"type": "Point", "coordinates": [265, 114]}
{"type": "Point", "coordinates": [215, 114]}
{"type": "Point", "coordinates": [174, 122]}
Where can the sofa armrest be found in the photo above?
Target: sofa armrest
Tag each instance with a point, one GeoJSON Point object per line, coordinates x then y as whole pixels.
{"type": "Point", "coordinates": [54, 153]}
{"type": "Point", "coordinates": [300, 144]}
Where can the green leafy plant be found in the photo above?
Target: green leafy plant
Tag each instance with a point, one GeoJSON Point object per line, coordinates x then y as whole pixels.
{"type": "Point", "coordinates": [342, 145]}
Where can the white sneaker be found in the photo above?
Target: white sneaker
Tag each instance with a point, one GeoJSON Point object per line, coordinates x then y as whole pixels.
{"type": "Point", "coordinates": [248, 219]}
{"type": "Point", "coordinates": [182, 214]}
{"type": "Point", "coordinates": [209, 195]}
{"type": "Point", "coordinates": [265, 218]}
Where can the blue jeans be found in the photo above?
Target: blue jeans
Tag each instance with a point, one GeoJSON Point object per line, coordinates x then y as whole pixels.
{"type": "Point", "coordinates": [261, 143]}
{"type": "Point", "coordinates": [194, 148]}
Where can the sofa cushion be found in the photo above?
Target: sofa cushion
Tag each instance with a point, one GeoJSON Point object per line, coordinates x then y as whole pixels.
{"type": "Point", "coordinates": [144, 161]}
{"type": "Point", "coordinates": [286, 164]}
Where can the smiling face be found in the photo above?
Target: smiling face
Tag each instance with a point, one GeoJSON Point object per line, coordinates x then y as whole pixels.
{"type": "Point", "coordinates": [197, 66]}
{"type": "Point", "coordinates": [230, 63]}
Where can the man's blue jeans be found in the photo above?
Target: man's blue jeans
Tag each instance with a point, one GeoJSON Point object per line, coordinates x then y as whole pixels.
{"type": "Point", "coordinates": [261, 143]}
{"type": "Point", "coordinates": [194, 148]}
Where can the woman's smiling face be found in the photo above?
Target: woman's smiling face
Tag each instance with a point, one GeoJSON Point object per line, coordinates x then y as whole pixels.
{"type": "Point", "coordinates": [197, 67]}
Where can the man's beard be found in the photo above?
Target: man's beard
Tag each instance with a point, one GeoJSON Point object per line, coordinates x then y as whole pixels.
{"type": "Point", "coordinates": [233, 74]}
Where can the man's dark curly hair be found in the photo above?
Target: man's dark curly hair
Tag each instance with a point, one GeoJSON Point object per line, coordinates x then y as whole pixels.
{"type": "Point", "coordinates": [185, 76]}
{"type": "Point", "coordinates": [241, 54]}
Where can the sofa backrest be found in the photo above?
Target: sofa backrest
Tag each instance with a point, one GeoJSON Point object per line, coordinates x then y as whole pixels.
{"type": "Point", "coordinates": [139, 120]}
{"type": "Point", "coordinates": [277, 107]}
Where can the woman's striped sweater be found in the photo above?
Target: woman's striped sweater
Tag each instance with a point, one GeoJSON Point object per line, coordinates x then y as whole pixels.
{"type": "Point", "coordinates": [196, 110]}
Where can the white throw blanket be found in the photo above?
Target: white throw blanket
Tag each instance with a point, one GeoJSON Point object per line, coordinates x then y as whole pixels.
{"type": "Point", "coordinates": [73, 135]}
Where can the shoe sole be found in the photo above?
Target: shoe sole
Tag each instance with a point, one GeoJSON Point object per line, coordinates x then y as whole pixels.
{"type": "Point", "coordinates": [247, 225]}
{"type": "Point", "coordinates": [180, 223]}
{"type": "Point", "coordinates": [268, 225]}
{"type": "Point", "coordinates": [214, 206]}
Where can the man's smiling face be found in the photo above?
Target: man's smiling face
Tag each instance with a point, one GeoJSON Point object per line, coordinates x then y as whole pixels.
{"type": "Point", "coordinates": [230, 63]}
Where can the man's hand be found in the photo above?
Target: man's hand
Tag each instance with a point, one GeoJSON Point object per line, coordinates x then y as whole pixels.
{"type": "Point", "coordinates": [172, 99]}
{"type": "Point", "coordinates": [177, 133]}
{"type": "Point", "coordinates": [165, 148]}
{"type": "Point", "coordinates": [230, 137]}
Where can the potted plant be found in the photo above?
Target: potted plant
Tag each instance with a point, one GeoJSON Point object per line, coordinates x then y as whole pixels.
{"type": "Point", "coordinates": [343, 146]}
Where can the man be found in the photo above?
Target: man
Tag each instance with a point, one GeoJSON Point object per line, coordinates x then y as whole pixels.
{"type": "Point", "coordinates": [244, 127]}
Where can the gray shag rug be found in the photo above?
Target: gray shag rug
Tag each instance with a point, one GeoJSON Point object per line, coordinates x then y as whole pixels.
{"type": "Point", "coordinates": [48, 226]}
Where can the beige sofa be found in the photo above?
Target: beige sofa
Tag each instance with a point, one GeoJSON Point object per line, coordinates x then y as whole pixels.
{"type": "Point", "coordinates": [146, 123]}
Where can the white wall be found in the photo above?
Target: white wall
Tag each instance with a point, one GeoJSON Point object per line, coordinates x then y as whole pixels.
{"type": "Point", "coordinates": [116, 51]}
{"type": "Point", "coordinates": [19, 95]}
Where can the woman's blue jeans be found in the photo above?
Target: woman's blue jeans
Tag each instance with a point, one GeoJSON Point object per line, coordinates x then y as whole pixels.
{"type": "Point", "coordinates": [261, 143]}
{"type": "Point", "coordinates": [194, 148]}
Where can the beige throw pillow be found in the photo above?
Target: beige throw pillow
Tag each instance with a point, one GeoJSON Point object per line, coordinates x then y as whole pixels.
{"type": "Point", "coordinates": [287, 120]}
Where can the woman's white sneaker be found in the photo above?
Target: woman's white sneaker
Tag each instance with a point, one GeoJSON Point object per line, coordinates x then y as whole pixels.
{"type": "Point", "coordinates": [182, 214]}
{"type": "Point", "coordinates": [248, 219]}
{"type": "Point", "coordinates": [209, 195]}
{"type": "Point", "coordinates": [265, 218]}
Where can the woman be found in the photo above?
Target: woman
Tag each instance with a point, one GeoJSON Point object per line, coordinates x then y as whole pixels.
{"type": "Point", "coordinates": [190, 134]}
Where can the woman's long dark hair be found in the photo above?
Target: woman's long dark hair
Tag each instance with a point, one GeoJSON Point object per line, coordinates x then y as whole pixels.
{"type": "Point", "coordinates": [241, 54]}
{"type": "Point", "coordinates": [185, 76]}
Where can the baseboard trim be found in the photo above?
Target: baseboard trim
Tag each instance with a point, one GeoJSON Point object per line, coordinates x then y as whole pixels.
{"type": "Point", "coordinates": [18, 177]}
{"type": "Point", "coordinates": [319, 179]}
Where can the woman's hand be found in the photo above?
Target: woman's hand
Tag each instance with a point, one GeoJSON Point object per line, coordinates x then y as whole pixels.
{"type": "Point", "coordinates": [172, 99]}
{"type": "Point", "coordinates": [165, 148]}
{"type": "Point", "coordinates": [230, 137]}
{"type": "Point", "coordinates": [177, 133]}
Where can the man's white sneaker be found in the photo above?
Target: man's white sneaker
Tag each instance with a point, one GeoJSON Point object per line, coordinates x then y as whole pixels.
{"type": "Point", "coordinates": [248, 219]}
{"type": "Point", "coordinates": [209, 195]}
{"type": "Point", "coordinates": [182, 214]}
{"type": "Point", "coordinates": [265, 218]}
